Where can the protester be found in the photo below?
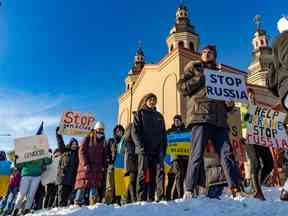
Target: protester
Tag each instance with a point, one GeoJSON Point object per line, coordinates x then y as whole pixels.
{"type": "Point", "coordinates": [49, 179]}
{"type": "Point", "coordinates": [131, 165]}
{"type": "Point", "coordinates": [30, 179]}
{"type": "Point", "coordinates": [91, 165]}
{"type": "Point", "coordinates": [118, 133]}
{"type": "Point", "coordinates": [259, 157]}
{"type": "Point", "coordinates": [5, 171]}
{"type": "Point", "coordinates": [149, 135]}
{"type": "Point", "coordinates": [207, 119]}
{"type": "Point", "coordinates": [179, 164]}
{"type": "Point", "coordinates": [277, 77]}
{"type": "Point", "coordinates": [67, 170]}
{"type": "Point", "coordinates": [7, 203]}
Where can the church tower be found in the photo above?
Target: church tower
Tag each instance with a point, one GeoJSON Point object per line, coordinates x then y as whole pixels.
{"type": "Point", "coordinates": [183, 34]}
{"type": "Point", "coordinates": [262, 56]}
{"type": "Point", "coordinates": [139, 62]}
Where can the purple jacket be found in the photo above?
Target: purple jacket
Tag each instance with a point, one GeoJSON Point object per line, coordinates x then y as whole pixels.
{"type": "Point", "coordinates": [15, 181]}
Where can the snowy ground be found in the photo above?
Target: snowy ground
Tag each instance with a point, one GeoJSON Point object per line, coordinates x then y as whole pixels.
{"type": "Point", "coordinates": [201, 206]}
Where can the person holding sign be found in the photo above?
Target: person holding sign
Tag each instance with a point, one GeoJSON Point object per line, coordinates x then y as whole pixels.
{"type": "Point", "coordinates": [259, 156]}
{"type": "Point", "coordinates": [179, 163]}
{"type": "Point", "coordinates": [30, 179]}
{"type": "Point", "coordinates": [208, 120]}
{"type": "Point", "coordinates": [67, 169]}
{"type": "Point", "coordinates": [91, 166]}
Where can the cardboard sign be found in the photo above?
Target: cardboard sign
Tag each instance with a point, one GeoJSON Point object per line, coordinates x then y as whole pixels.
{"type": "Point", "coordinates": [235, 135]}
{"type": "Point", "coordinates": [226, 86]}
{"type": "Point", "coordinates": [77, 124]}
{"type": "Point", "coordinates": [31, 148]}
{"type": "Point", "coordinates": [266, 127]}
{"type": "Point", "coordinates": [50, 174]}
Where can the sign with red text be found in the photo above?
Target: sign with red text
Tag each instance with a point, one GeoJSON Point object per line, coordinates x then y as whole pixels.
{"type": "Point", "coordinates": [31, 148]}
{"type": "Point", "coordinates": [226, 86]}
{"type": "Point", "coordinates": [266, 127]}
{"type": "Point", "coordinates": [77, 123]}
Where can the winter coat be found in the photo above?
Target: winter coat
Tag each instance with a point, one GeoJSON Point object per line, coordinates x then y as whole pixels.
{"type": "Point", "coordinates": [33, 168]}
{"type": "Point", "coordinates": [149, 133]}
{"type": "Point", "coordinates": [68, 164]}
{"type": "Point", "coordinates": [277, 77]}
{"type": "Point", "coordinates": [131, 158]}
{"type": "Point", "coordinates": [91, 162]}
{"type": "Point", "coordinates": [15, 181]}
{"type": "Point", "coordinates": [200, 109]}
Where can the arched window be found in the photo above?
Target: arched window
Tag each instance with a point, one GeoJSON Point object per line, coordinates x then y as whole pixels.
{"type": "Point", "coordinates": [171, 48]}
{"type": "Point", "coordinates": [191, 46]}
{"type": "Point", "coordinates": [181, 44]}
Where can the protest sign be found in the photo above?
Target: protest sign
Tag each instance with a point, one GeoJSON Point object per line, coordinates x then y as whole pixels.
{"type": "Point", "coordinates": [235, 135]}
{"type": "Point", "coordinates": [50, 174]}
{"type": "Point", "coordinates": [178, 144]}
{"type": "Point", "coordinates": [31, 148]}
{"type": "Point", "coordinates": [266, 127]}
{"type": "Point", "coordinates": [76, 123]}
{"type": "Point", "coordinates": [226, 86]}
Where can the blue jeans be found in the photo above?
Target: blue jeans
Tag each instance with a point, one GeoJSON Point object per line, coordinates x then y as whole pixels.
{"type": "Point", "coordinates": [80, 194]}
{"type": "Point", "coordinates": [9, 199]}
{"type": "Point", "coordinates": [195, 175]}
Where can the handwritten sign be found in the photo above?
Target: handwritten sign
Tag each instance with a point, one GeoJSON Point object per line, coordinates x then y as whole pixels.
{"type": "Point", "coordinates": [266, 127]}
{"type": "Point", "coordinates": [76, 123]}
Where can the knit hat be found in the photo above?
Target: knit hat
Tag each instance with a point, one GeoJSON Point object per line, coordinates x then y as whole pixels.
{"type": "Point", "coordinates": [99, 125]}
{"type": "Point", "coordinates": [177, 117]}
{"type": "Point", "coordinates": [283, 24]}
{"type": "Point", "coordinates": [2, 155]}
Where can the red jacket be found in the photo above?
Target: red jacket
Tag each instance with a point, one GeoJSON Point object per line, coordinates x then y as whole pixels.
{"type": "Point", "coordinates": [91, 162]}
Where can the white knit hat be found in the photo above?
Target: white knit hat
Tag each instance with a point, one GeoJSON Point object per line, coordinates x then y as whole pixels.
{"type": "Point", "coordinates": [99, 125]}
{"type": "Point", "coordinates": [282, 24]}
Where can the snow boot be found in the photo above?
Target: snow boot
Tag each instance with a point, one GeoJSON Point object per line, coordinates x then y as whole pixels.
{"type": "Point", "coordinates": [284, 195]}
{"type": "Point", "coordinates": [15, 212]}
{"type": "Point", "coordinates": [25, 211]}
{"type": "Point", "coordinates": [92, 200]}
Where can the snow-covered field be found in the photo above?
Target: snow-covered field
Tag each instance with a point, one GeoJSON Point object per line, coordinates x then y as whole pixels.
{"type": "Point", "coordinates": [201, 206]}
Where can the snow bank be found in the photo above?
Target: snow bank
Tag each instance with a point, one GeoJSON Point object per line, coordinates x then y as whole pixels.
{"type": "Point", "coordinates": [201, 206]}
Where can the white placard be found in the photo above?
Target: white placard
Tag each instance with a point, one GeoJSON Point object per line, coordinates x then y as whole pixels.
{"type": "Point", "coordinates": [226, 86]}
{"type": "Point", "coordinates": [31, 148]}
{"type": "Point", "coordinates": [50, 174]}
{"type": "Point", "coordinates": [266, 128]}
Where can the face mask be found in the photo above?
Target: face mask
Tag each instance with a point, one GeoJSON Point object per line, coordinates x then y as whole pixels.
{"type": "Point", "coordinates": [99, 135]}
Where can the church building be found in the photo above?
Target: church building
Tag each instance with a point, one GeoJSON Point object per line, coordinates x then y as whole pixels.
{"type": "Point", "coordinates": [182, 47]}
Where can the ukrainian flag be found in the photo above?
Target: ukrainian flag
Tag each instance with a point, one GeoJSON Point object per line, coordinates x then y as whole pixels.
{"type": "Point", "coordinates": [121, 181]}
{"type": "Point", "coordinates": [5, 171]}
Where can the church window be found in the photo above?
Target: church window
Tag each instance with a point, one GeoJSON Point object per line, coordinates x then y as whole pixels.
{"type": "Point", "coordinates": [191, 46]}
{"type": "Point", "coordinates": [171, 48]}
{"type": "Point", "coordinates": [181, 44]}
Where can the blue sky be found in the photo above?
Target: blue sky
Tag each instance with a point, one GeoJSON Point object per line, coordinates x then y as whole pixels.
{"type": "Point", "coordinates": [58, 55]}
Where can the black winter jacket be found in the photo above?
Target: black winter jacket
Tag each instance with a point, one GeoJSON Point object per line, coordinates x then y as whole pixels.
{"type": "Point", "coordinates": [149, 133]}
{"type": "Point", "coordinates": [68, 163]}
